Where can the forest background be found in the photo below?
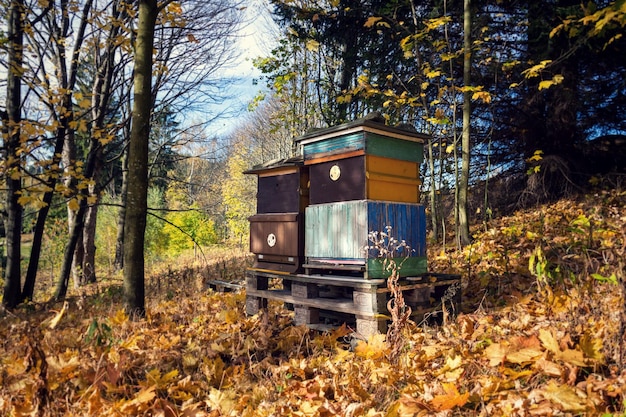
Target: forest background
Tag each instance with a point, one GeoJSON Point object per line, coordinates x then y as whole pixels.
{"type": "Point", "coordinates": [524, 103]}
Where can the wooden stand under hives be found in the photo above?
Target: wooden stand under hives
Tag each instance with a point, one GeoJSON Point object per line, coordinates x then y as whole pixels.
{"type": "Point", "coordinates": [326, 301]}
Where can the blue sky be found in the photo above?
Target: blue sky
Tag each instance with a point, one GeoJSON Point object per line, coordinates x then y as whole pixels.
{"type": "Point", "coordinates": [256, 39]}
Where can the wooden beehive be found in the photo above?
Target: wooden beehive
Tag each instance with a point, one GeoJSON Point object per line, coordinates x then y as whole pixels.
{"type": "Point", "coordinates": [362, 160]}
{"type": "Point", "coordinates": [277, 230]}
{"type": "Point", "coordinates": [336, 236]}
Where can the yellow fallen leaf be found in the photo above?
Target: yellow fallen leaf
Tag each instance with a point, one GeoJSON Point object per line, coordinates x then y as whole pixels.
{"type": "Point", "coordinates": [120, 317]}
{"type": "Point", "coordinates": [223, 401]}
{"type": "Point", "coordinates": [564, 396]}
{"type": "Point", "coordinates": [453, 362]}
{"type": "Point", "coordinates": [56, 319]}
{"type": "Point", "coordinates": [549, 341]}
{"type": "Point", "coordinates": [514, 374]}
{"type": "Point", "coordinates": [139, 403]}
{"type": "Point", "coordinates": [592, 348]}
{"type": "Point", "coordinates": [548, 367]}
{"type": "Point", "coordinates": [495, 353]}
{"type": "Point", "coordinates": [407, 405]}
{"type": "Point", "coordinates": [452, 398]}
{"type": "Point", "coordinates": [573, 357]}
{"type": "Point", "coordinates": [374, 348]}
{"type": "Point", "coordinates": [524, 355]}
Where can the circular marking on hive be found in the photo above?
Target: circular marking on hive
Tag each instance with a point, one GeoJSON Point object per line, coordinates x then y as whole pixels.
{"type": "Point", "coordinates": [271, 239]}
{"type": "Point", "coordinates": [335, 172]}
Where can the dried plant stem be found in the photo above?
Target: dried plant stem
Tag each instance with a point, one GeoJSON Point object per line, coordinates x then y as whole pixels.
{"type": "Point", "coordinates": [400, 314]}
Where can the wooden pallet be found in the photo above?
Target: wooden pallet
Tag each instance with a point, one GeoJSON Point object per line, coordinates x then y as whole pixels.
{"type": "Point", "coordinates": [316, 297]}
{"type": "Point", "coordinates": [223, 286]}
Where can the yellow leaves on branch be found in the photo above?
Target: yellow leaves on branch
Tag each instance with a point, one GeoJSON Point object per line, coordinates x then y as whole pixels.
{"type": "Point", "coordinates": [537, 156]}
{"type": "Point", "coordinates": [557, 79]}
{"type": "Point", "coordinates": [432, 24]}
{"type": "Point", "coordinates": [535, 70]}
{"type": "Point", "coordinates": [312, 45]}
{"type": "Point", "coordinates": [433, 74]}
{"type": "Point", "coordinates": [596, 22]}
{"type": "Point", "coordinates": [375, 21]}
{"type": "Point", "coordinates": [73, 204]}
{"type": "Point", "coordinates": [80, 126]}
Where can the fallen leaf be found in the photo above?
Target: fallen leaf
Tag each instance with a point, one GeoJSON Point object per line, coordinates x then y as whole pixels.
{"type": "Point", "coordinates": [524, 355]}
{"type": "Point", "coordinates": [495, 353]}
{"type": "Point", "coordinates": [223, 401]}
{"type": "Point", "coordinates": [452, 398]}
{"type": "Point", "coordinates": [408, 405]}
{"type": "Point", "coordinates": [548, 367]}
{"type": "Point", "coordinates": [374, 348]}
{"type": "Point", "coordinates": [573, 357]}
{"type": "Point", "coordinates": [564, 396]}
{"type": "Point", "coordinates": [592, 348]}
{"type": "Point", "coordinates": [549, 341]}
{"type": "Point", "coordinates": [139, 402]}
{"type": "Point", "coordinates": [56, 319]}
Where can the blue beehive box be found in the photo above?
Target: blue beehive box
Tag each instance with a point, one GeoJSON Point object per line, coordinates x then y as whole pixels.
{"type": "Point", "coordinates": [336, 234]}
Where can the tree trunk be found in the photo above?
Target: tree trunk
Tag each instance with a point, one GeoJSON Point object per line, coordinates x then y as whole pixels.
{"type": "Point", "coordinates": [89, 245]}
{"type": "Point", "coordinates": [76, 227]}
{"type": "Point", "coordinates": [463, 225]}
{"type": "Point", "coordinates": [137, 196]}
{"type": "Point", "coordinates": [79, 254]}
{"type": "Point", "coordinates": [434, 212]}
{"type": "Point", "coordinates": [68, 256]}
{"type": "Point", "coordinates": [35, 252]}
{"type": "Point", "coordinates": [13, 227]}
{"type": "Point", "coordinates": [89, 231]}
{"type": "Point", "coordinates": [119, 241]}
{"type": "Point", "coordinates": [100, 102]}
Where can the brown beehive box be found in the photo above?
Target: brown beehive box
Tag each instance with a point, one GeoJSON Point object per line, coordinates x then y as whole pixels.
{"type": "Point", "coordinates": [277, 230]}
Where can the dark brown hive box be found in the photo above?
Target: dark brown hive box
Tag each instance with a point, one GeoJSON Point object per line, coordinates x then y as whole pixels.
{"type": "Point", "coordinates": [277, 230]}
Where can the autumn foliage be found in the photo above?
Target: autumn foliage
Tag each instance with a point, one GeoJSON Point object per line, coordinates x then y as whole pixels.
{"type": "Point", "coordinates": [541, 334]}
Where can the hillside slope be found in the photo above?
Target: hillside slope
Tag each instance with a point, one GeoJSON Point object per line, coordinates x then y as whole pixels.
{"type": "Point", "coordinates": [541, 333]}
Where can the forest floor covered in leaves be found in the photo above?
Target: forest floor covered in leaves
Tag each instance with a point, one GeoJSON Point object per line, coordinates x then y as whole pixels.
{"type": "Point", "coordinates": [541, 333]}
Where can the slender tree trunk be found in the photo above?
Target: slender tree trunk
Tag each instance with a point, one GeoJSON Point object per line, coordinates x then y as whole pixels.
{"type": "Point", "coordinates": [68, 255]}
{"type": "Point", "coordinates": [79, 254]}
{"type": "Point", "coordinates": [35, 252]}
{"type": "Point", "coordinates": [463, 225]}
{"type": "Point", "coordinates": [89, 245]}
{"type": "Point", "coordinates": [434, 212]}
{"type": "Point", "coordinates": [89, 230]}
{"type": "Point", "coordinates": [13, 227]}
{"type": "Point", "coordinates": [136, 201]}
{"type": "Point", "coordinates": [76, 227]}
{"type": "Point", "coordinates": [119, 241]}
{"type": "Point", "coordinates": [100, 102]}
